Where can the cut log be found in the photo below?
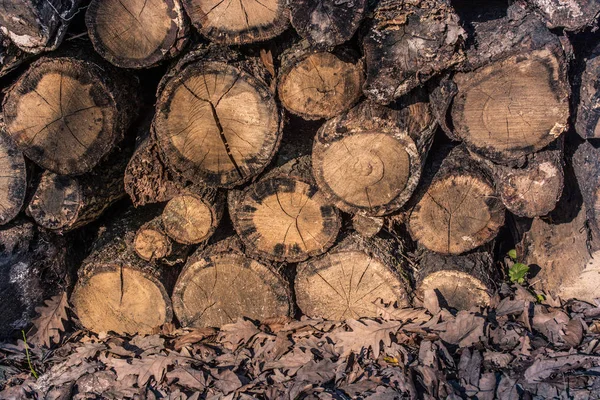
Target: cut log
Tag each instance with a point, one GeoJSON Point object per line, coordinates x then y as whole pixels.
{"type": "Point", "coordinates": [327, 23]}
{"type": "Point", "coordinates": [348, 280]}
{"type": "Point", "coordinates": [534, 189]}
{"type": "Point", "coordinates": [367, 226]}
{"type": "Point", "coordinates": [586, 164]}
{"type": "Point", "coordinates": [457, 208]}
{"type": "Point", "coordinates": [588, 110]}
{"type": "Point", "coordinates": [63, 203]}
{"type": "Point", "coordinates": [572, 15]}
{"type": "Point", "coordinates": [152, 243]}
{"type": "Point", "coordinates": [238, 21]}
{"type": "Point", "coordinates": [283, 216]}
{"type": "Point", "coordinates": [37, 26]}
{"type": "Point", "coordinates": [217, 122]}
{"type": "Point", "coordinates": [136, 33]}
{"type": "Point", "coordinates": [408, 43]}
{"type": "Point", "coordinates": [514, 107]}
{"type": "Point", "coordinates": [459, 281]}
{"type": "Point", "coordinates": [66, 114]}
{"type": "Point", "coordinates": [317, 84]}
{"type": "Point", "coordinates": [13, 181]}
{"type": "Point", "coordinates": [117, 291]}
{"type": "Point", "coordinates": [147, 178]}
{"type": "Point", "coordinates": [369, 159]}
{"type": "Point", "coordinates": [192, 216]}
{"type": "Point", "coordinates": [220, 284]}
{"type": "Point", "coordinates": [32, 269]}
{"type": "Point", "coordinates": [563, 260]}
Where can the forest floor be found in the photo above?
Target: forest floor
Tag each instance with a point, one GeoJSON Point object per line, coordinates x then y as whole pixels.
{"type": "Point", "coordinates": [523, 346]}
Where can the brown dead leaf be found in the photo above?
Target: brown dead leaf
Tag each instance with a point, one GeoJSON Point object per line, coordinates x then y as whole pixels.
{"type": "Point", "coordinates": [153, 366]}
{"type": "Point", "coordinates": [466, 330]}
{"type": "Point", "coordinates": [276, 324]}
{"type": "Point", "coordinates": [189, 378]}
{"type": "Point", "coordinates": [49, 324]}
{"type": "Point", "coordinates": [267, 59]}
{"type": "Point", "coordinates": [232, 336]}
{"type": "Point", "coordinates": [365, 333]}
{"type": "Point", "coordinates": [194, 336]}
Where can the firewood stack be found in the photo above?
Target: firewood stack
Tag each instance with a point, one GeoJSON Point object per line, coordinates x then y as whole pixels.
{"type": "Point", "coordinates": [309, 156]}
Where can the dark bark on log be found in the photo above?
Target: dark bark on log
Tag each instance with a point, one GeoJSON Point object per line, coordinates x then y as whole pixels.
{"type": "Point", "coordinates": [347, 281]}
{"type": "Point", "coordinates": [408, 43]}
{"type": "Point", "coordinates": [317, 84]}
{"type": "Point", "coordinates": [572, 15]}
{"type": "Point", "coordinates": [234, 139]}
{"type": "Point", "coordinates": [245, 22]}
{"type": "Point", "coordinates": [586, 164]}
{"type": "Point", "coordinates": [66, 114]}
{"type": "Point", "coordinates": [63, 203]}
{"type": "Point", "coordinates": [534, 189]}
{"type": "Point", "coordinates": [220, 283]}
{"type": "Point", "coordinates": [10, 56]}
{"type": "Point", "coordinates": [37, 26]}
{"type": "Point", "coordinates": [14, 178]}
{"type": "Point", "coordinates": [137, 33]}
{"type": "Point", "coordinates": [326, 23]}
{"type": "Point", "coordinates": [367, 226]}
{"type": "Point", "coordinates": [459, 281]}
{"type": "Point", "coordinates": [587, 124]}
{"type": "Point", "coordinates": [457, 208]}
{"type": "Point", "coordinates": [118, 291]}
{"type": "Point", "coordinates": [369, 159]}
{"type": "Point", "coordinates": [33, 267]}
{"type": "Point", "coordinates": [192, 216]}
{"type": "Point", "coordinates": [283, 216]}
{"type": "Point", "coordinates": [147, 179]}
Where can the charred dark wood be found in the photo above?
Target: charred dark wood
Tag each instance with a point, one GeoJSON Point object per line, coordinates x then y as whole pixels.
{"type": "Point", "coordinates": [588, 110]}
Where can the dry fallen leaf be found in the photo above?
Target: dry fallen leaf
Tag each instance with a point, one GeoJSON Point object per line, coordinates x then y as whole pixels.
{"type": "Point", "coordinates": [365, 333]}
{"type": "Point", "coordinates": [49, 324]}
{"type": "Point", "coordinates": [194, 336]}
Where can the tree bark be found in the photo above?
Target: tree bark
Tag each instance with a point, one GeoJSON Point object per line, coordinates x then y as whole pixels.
{"type": "Point", "coordinates": [37, 26]}
{"type": "Point", "coordinates": [241, 22]}
{"type": "Point", "coordinates": [137, 33]}
{"type": "Point", "coordinates": [10, 55]}
{"type": "Point", "coordinates": [117, 291]}
{"type": "Point", "coordinates": [220, 284]}
{"type": "Point", "coordinates": [192, 216]}
{"type": "Point", "coordinates": [408, 43]}
{"type": "Point", "coordinates": [572, 15]}
{"type": "Point", "coordinates": [64, 203]}
{"type": "Point", "coordinates": [236, 126]}
{"type": "Point", "coordinates": [586, 164]}
{"type": "Point", "coordinates": [317, 84]}
{"type": "Point", "coordinates": [66, 114]}
{"type": "Point", "coordinates": [283, 216]}
{"type": "Point", "coordinates": [346, 281]}
{"type": "Point", "coordinates": [369, 159]}
{"type": "Point", "coordinates": [459, 281]}
{"type": "Point", "coordinates": [14, 178]}
{"type": "Point", "coordinates": [367, 226]}
{"type": "Point", "coordinates": [327, 23]}
{"type": "Point", "coordinates": [457, 208]}
{"type": "Point", "coordinates": [587, 123]}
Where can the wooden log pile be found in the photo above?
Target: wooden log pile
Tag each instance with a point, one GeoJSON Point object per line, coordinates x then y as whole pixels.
{"type": "Point", "coordinates": [216, 159]}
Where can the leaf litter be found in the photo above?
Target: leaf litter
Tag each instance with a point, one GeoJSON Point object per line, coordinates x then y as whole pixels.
{"type": "Point", "coordinates": [519, 347]}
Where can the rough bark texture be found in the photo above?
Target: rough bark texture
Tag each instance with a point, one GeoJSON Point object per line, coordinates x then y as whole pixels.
{"type": "Point", "coordinates": [317, 84]}
{"type": "Point", "coordinates": [220, 283]}
{"type": "Point", "coordinates": [283, 216]}
{"type": "Point", "coordinates": [327, 23]}
{"type": "Point", "coordinates": [118, 291]}
{"type": "Point", "coordinates": [239, 126]}
{"type": "Point", "coordinates": [586, 164]}
{"type": "Point", "coordinates": [588, 110]}
{"type": "Point", "coordinates": [408, 43]}
{"type": "Point", "coordinates": [238, 22]}
{"type": "Point", "coordinates": [63, 203]}
{"type": "Point", "coordinates": [369, 159]}
{"type": "Point", "coordinates": [459, 281]}
{"type": "Point", "coordinates": [32, 269]}
{"type": "Point", "coordinates": [457, 208]}
{"type": "Point", "coordinates": [10, 55]}
{"type": "Point", "coordinates": [367, 226]}
{"type": "Point", "coordinates": [192, 216]}
{"type": "Point", "coordinates": [572, 15]}
{"type": "Point", "coordinates": [348, 280]}
{"type": "Point", "coordinates": [13, 180]}
{"type": "Point", "coordinates": [66, 114]}
{"type": "Point", "coordinates": [34, 25]}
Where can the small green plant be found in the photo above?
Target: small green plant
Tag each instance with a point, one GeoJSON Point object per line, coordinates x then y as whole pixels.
{"type": "Point", "coordinates": [512, 254]}
{"type": "Point", "coordinates": [540, 297]}
{"type": "Point", "coordinates": [518, 272]}
{"type": "Point", "coordinates": [35, 375]}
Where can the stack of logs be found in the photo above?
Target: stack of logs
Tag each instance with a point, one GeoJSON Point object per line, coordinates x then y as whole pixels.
{"type": "Point", "coordinates": [283, 166]}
